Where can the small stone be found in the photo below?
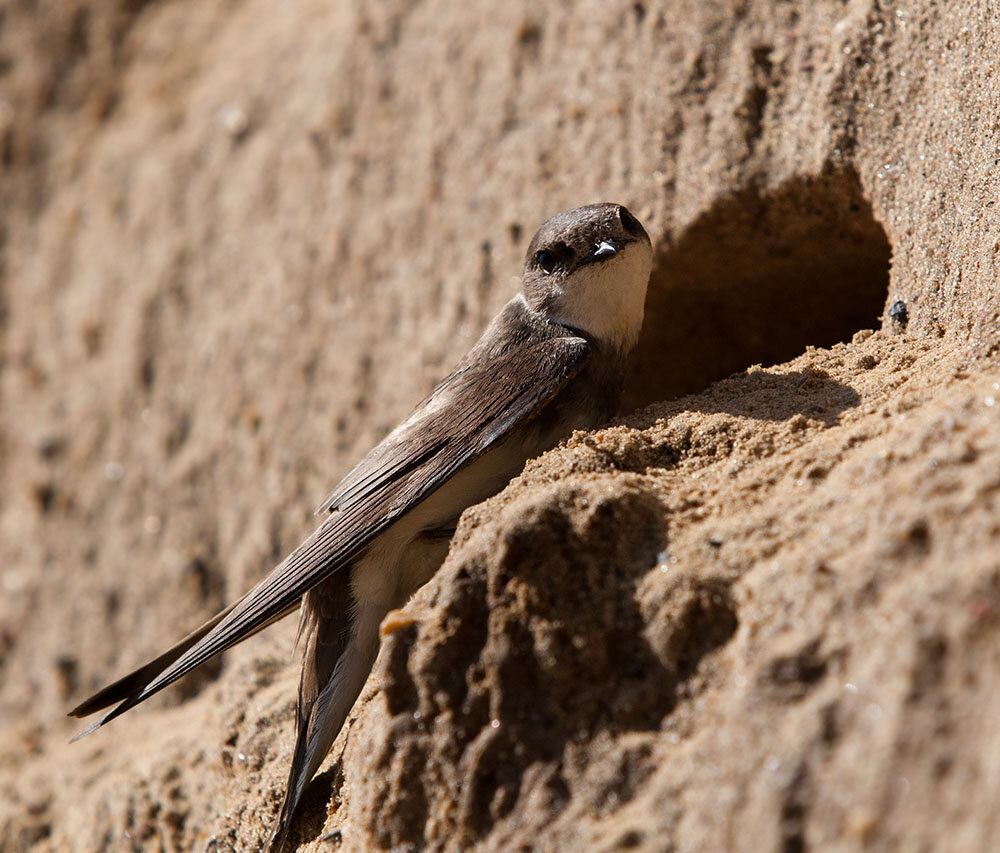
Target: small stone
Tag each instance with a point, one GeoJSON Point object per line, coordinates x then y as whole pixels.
{"type": "Point", "coordinates": [395, 620]}
{"type": "Point", "coordinates": [866, 362]}
{"type": "Point", "coordinates": [234, 120]}
{"type": "Point", "coordinates": [899, 314]}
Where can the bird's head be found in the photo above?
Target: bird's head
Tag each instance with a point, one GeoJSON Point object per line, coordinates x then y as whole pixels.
{"type": "Point", "coordinates": [587, 269]}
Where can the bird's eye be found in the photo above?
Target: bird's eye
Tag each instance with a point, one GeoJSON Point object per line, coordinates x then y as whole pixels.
{"type": "Point", "coordinates": [546, 261]}
{"type": "Point", "coordinates": [630, 223]}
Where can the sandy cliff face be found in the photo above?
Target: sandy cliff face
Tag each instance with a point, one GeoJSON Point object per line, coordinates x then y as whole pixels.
{"type": "Point", "coordinates": [240, 240]}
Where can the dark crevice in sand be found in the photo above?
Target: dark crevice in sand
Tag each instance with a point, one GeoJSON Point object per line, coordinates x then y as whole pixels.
{"type": "Point", "coordinates": [755, 280]}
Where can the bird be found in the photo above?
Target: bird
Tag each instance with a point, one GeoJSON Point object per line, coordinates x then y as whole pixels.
{"type": "Point", "coordinates": [551, 362]}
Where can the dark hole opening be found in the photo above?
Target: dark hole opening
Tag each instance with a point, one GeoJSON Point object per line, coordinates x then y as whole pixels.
{"type": "Point", "coordinates": [755, 280]}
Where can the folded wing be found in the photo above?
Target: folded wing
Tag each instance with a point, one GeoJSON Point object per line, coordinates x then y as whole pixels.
{"type": "Point", "coordinates": [471, 410]}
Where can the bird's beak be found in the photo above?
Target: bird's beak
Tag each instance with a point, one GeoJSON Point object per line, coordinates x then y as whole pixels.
{"type": "Point", "coordinates": [605, 249]}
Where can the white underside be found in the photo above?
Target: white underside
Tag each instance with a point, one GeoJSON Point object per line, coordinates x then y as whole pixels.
{"type": "Point", "coordinates": [400, 560]}
{"type": "Point", "coordinates": [394, 566]}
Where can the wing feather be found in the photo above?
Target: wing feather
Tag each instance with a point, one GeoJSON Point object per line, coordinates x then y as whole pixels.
{"type": "Point", "coordinates": [385, 462]}
{"type": "Point", "coordinates": [472, 409]}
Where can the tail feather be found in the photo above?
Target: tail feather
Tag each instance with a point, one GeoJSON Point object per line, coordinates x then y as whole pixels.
{"type": "Point", "coordinates": [339, 655]}
{"type": "Point", "coordinates": [327, 550]}
{"type": "Point", "coordinates": [132, 683]}
{"type": "Point", "coordinates": [127, 692]}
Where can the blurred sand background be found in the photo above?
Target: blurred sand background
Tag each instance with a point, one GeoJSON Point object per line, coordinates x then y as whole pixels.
{"type": "Point", "coordinates": [239, 240]}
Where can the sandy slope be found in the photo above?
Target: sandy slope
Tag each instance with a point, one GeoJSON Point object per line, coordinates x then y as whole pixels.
{"type": "Point", "coordinates": [240, 240]}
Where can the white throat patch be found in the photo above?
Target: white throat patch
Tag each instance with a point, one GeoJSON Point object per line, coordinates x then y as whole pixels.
{"type": "Point", "coordinates": [607, 299]}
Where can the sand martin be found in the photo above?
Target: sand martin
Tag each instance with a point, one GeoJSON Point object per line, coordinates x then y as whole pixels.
{"type": "Point", "coordinates": [552, 361]}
